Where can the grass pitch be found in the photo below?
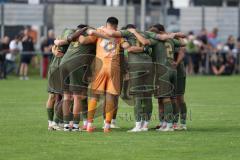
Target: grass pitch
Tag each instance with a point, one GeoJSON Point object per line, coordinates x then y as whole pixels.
{"type": "Point", "coordinates": [213, 122]}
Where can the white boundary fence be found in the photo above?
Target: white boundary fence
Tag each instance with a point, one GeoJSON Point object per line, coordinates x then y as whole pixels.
{"type": "Point", "coordinates": [62, 15]}
{"type": "Point", "coordinates": [226, 19]}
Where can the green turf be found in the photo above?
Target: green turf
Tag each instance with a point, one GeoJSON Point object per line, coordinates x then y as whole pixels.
{"type": "Point", "coordinates": [214, 127]}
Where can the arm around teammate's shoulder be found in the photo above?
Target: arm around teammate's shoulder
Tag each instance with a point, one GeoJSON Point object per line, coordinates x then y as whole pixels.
{"type": "Point", "coordinates": [140, 38]}
{"type": "Point", "coordinates": [59, 42]}
{"type": "Point", "coordinates": [87, 39]}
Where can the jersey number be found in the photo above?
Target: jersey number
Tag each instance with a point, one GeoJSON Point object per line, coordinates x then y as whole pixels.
{"type": "Point", "coordinates": [169, 50]}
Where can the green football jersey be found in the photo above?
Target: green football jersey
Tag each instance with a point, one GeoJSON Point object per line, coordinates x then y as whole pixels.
{"type": "Point", "coordinates": [63, 36]}
{"type": "Point", "coordinates": [75, 47]}
{"type": "Point", "coordinates": [133, 41]}
{"type": "Point", "coordinates": [171, 46]}
{"type": "Point", "coordinates": [158, 48]}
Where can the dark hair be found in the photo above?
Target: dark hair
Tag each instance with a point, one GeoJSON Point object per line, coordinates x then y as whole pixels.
{"type": "Point", "coordinates": [19, 36]}
{"type": "Point", "coordinates": [80, 26]}
{"type": "Point", "coordinates": [238, 39]}
{"type": "Point", "coordinates": [123, 28]}
{"type": "Point", "coordinates": [190, 33]}
{"type": "Point", "coordinates": [160, 27]}
{"type": "Point", "coordinates": [128, 26]}
{"type": "Point", "coordinates": [27, 27]}
{"type": "Point", "coordinates": [153, 29]}
{"type": "Point", "coordinates": [112, 20]}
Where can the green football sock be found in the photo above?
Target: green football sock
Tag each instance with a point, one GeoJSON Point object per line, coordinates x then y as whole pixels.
{"type": "Point", "coordinates": [147, 109]}
{"type": "Point", "coordinates": [175, 113]}
{"type": "Point", "coordinates": [50, 112]}
{"type": "Point", "coordinates": [66, 111]}
{"type": "Point", "coordinates": [183, 113]}
{"type": "Point", "coordinates": [58, 116]}
{"type": "Point", "coordinates": [56, 120]}
{"type": "Point", "coordinates": [138, 109]}
{"type": "Point", "coordinates": [76, 118]}
{"type": "Point", "coordinates": [66, 119]}
{"type": "Point", "coordinates": [168, 112]}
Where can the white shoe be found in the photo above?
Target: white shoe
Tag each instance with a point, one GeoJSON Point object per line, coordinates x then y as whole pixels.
{"type": "Point", "coordinates": [168, 128]}
{"type": "Point", "coordinates": [114, 126]}
{"type": "Point", "coordinates": [135, 129]}
{"type": "Point", "coordinates": [21, 78]}
{"type": "Point", "coordinates": [144, 129]}
{"type": "Point", "coordinates": [66, 127]}
{"type": "Point", "coordinates": [50, 124]}
{"type": "Point", "coordinates": [61, 125]}
{"type": "Point", "coordinates": [56, 127]}
{"type": "Point", "coordinates": [182, 127]}
{"type": "Point", "coordinates": [50, 128]}
{"type": "Point", "coordinates": [76, 129]}
{"type": "Point", "coordinates": [175, 126]}
{"type": "Point", "coordinates": [26, 78]}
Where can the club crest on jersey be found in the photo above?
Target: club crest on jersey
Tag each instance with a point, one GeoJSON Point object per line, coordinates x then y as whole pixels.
{"type": "Point", "coordinates": [109, 46]}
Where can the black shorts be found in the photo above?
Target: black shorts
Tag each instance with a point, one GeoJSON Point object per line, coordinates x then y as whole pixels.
{"type": "Point", "coordinates": [26, 58]}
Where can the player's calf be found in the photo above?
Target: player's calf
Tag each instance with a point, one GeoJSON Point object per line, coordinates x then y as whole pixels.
{"type": "Point", "coordinates": [50, 110]}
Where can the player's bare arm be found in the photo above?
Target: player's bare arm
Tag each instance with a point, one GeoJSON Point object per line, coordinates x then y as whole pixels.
{"type": "Point", "coordinates": [135, 49]}
{"type": "Point", "coordinates": [87, 39]}
{"type": "Point", "coordinates": [141, 39]}
{"type": "Point", "coordinates": [165, 36]}
{"type": "Point", "coordinates": [112, 33]}
{"type": "Point", "coordinates": [75, 35]}
{"type": "Point", "coordinates": [183, 42]}
{"type": "Point", "coordinates": [70, 38]}
{"type": "Point", "coordinates": [125, 45]}
{"type": "Point", "coordinates": [180, 57]}
{"type": "Point", "coordinates": [92, 32]}
{"type": "Point", "coordinates": [60, 42]}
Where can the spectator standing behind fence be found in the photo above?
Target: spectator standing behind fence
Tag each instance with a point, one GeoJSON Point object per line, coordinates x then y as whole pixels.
{"type": "Point", "coordinates": [238, 55]}
{"type": "Point", "coordinates": [192, 50]}
{"type": "Point", "coordinates": [15, 47]}
{"type": "Point", "coordinates": [4, 49]}
{"type": "Point", "coordinates": [46, 48]}
{"type": "Point", "coordinates": [213, 38]}
{"type": "Point", "coordinates": [26, 55]}
{"type": "Point", "coordinates": [203, 50]}
{"type": "Point", "coordinates": [34, 35]}
{"type": "Point", "coordinates": [232, 47]}
{"type": "Point", "coordinates": [230, 55]}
